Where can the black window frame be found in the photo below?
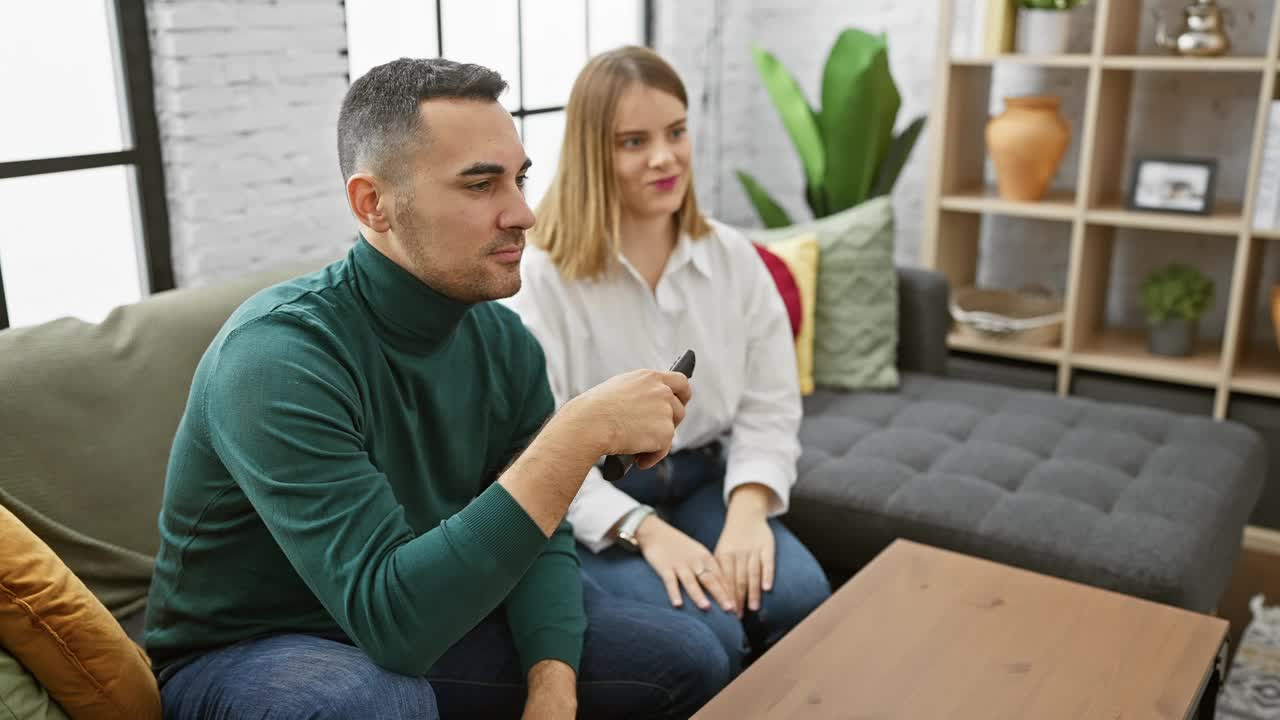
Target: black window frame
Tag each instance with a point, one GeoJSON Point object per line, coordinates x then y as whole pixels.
{"type": "Point", "coordinates": [521, 112]}
{"type": "Point", "coordinates": [134, 44]}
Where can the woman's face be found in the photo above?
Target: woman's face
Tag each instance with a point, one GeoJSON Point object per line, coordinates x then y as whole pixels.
{"type": "Point", "coordinates": [650, 152]}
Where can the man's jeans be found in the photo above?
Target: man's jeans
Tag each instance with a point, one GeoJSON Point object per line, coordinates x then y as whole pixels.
{"type": "Point", "coordinates": [688, 491]}
{"type": "Point", "coordinates": [638, 661]}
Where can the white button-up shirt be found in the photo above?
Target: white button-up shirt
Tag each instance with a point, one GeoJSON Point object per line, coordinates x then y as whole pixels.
{"type": "Point", "coordinates": [716, 297]}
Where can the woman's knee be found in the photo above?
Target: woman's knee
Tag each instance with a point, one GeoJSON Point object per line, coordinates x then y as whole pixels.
{"type": "Point", "coordinates": [799, 588]}
{"type": "Point", "coordinates": [729, 635]}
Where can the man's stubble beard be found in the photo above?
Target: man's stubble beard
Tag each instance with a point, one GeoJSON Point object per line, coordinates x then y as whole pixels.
{"type": "Point", "coordinates": [476, 287]}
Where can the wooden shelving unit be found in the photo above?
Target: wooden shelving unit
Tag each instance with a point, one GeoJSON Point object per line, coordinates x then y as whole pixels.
{"type": "Point", "coordinates": [960, 198]}
{"type": "Point", "coordinates": [1258, 372]}
{"type": "Point", "coordinates": [1047, 355]}
{"type": "Point", "coordinates": [1057, 205]}
{"type": "Point", "coordinates": [1224, 220]}
{"type": "Point", "coordinates": [1180, 64]}
{"type": "Point", "coordinates": [1057, 61]}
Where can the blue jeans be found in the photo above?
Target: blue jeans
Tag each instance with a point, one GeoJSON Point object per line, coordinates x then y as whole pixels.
{"type": "Point", "coordinates": [689, 494]}
{"type": "Point", "coordinates": [638, 661]}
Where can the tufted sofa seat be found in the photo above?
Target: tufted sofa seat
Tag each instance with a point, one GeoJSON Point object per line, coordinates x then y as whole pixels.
{"type": "Point", "coordinates": [1145, 502]}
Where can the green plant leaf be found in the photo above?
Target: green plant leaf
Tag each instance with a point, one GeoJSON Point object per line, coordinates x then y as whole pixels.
{"type": "Point", "coordinates": [859, 108]}
{"type": "Point", "coordinates": [896, 157]}
{"type": "Point", "coordinates": [817, 201]}
{"type": "Point", "coordinates": [797, 115]}
{"type": "Point", "coordinates": [770, 212]}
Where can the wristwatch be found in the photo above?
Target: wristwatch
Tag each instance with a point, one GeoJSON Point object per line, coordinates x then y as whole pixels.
{"type": "Point", "coordinates": [628, 526]}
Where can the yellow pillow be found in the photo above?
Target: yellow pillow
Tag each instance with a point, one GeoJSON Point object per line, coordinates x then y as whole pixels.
{"type": "Point", "coordinates": [65, 637]}
{"type": "Point", "coordinates": [800, 253]}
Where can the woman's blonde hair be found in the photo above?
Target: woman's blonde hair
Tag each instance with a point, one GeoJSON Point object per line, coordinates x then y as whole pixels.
{"type": "Point", "coordinates": [579, 216]}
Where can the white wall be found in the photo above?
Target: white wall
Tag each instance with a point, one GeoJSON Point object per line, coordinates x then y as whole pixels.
{"type": "Point", "coordinates": [247, 97]}
{"type": "Point", "coordinates": [736, 127]}
{"type": "Point", "coordinates": [735, 124]}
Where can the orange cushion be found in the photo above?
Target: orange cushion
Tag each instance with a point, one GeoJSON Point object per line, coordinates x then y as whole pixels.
{"type": "Point", "coordinates": [65, 637]}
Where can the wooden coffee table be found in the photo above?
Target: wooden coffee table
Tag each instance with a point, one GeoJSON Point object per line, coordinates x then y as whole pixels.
{"type": "Point", "coordinates": [928, 633]}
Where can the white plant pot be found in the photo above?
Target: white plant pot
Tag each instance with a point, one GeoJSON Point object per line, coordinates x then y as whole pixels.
{"type": "Point", "coordinates": [1043, 32]}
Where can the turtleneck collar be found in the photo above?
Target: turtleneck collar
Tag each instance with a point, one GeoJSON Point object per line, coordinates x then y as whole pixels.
{"type": "Point", "coordinates": [407, 311]}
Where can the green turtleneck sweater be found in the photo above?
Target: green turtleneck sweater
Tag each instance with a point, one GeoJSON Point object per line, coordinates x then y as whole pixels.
{"type": "Point", "coordinates": [333, 473]}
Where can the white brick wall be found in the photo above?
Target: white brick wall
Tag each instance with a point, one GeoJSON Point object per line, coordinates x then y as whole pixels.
{"type": "Point", "coordinates": [247, 97]}
{"type": "Point", "coordinates": [736, 127]}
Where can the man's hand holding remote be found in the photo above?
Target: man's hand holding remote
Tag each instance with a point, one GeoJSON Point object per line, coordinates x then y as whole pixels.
{"type": "Point", "coordinates": [635, 413]}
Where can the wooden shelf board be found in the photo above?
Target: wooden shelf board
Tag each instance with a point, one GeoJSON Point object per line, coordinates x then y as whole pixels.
{"type": "Point", "coordinates": [1267, 233]}
{"type": "Point", "coordinates": [1225, 219]}
{"type": "Point", "coordinates": [1258, 372]}
{"type": "Point", "coordinates": [1125, 353]}
{"type": "Point", "coordinates": [1056, 205]}
{"type": "Point", "coordinates": [1055, 61]}
{"type": "Point", "coordinates": [1050, 355]}
{"type": "Point", "coordinates": [1184, 64]}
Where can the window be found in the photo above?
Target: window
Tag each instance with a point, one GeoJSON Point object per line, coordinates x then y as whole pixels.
{"type": "Point", "coordinates": [81, 181]}
{"type": "Point", "coordinates": [537, 45]}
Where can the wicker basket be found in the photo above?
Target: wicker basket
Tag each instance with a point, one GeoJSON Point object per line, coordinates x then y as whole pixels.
{"type": "Point", "coordinates": [1024, 317]}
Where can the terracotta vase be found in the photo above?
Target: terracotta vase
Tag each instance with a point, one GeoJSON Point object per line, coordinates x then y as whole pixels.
{"type": "Point", "coordinates": [1026, 143]}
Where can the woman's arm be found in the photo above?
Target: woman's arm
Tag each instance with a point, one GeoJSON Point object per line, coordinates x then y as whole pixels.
{"type": "Point", "coordinates": [764, 444]}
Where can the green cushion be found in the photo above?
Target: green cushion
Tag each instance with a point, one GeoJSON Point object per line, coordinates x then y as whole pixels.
{"type": "Point", "coordinates": [87, 416]}
{"type": "Point", "coordinates": [21, 697]}
{"type": "Point", "coordinates": [856, 317]}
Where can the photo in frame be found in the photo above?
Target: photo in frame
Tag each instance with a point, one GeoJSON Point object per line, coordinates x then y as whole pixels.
{"type": "Point", "coordinates": [1173, 184]}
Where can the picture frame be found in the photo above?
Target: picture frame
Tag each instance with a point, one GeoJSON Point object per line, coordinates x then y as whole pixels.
{"type": "Point", "coordinates": [1173, 184]}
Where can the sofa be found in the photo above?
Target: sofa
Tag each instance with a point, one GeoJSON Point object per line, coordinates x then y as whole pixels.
{"type": "Point", "coordinates": [1140, 501]}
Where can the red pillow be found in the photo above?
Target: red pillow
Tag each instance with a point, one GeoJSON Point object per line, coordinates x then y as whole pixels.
{"type": "Point", "coordinates": [787, 288]}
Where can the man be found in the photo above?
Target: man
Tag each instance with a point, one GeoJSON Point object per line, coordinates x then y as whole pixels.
{"type": "Point", "coordinates": [333, 541]}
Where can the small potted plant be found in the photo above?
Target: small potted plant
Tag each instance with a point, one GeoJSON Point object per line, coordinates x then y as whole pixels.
{"type": "Point", "coordinates": [1044, 26]}
{"type": "Point", "coordinates": [1174, 298]}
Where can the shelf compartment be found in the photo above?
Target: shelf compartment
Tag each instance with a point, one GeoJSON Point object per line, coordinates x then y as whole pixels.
{"type": "Point", "coordinates": [1056, 205]}
{"type": "Point", "coordinates": [1258, 372]}
{"type": "Point", "coordinates": [1181, 64]}
{"type": "Point", "coordinates": [1226, 219]}
{"type": "Point", "coordinates": [1053, 61]}
{"type": "Point", "coordinates": [1125, 353]}
{"type": "Point", "coordinates": [1050, 355]}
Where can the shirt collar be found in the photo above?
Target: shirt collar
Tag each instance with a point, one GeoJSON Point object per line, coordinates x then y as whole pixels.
{"type": "Point", "coordinates": [697, 250]}
{"type": "Point", "coordinates": [686, 250]}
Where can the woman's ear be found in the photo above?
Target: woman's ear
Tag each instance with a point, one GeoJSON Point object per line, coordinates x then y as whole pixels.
{"type": "Point", "coordinates": [366, 199]}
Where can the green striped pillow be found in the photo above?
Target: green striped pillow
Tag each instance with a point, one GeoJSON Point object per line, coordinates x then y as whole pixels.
{"type": "Point", "coordinates": [856, 318]}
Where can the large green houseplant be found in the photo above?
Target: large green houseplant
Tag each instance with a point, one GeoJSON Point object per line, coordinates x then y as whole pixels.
{"type": "Point", "coordinates": [847, 146]}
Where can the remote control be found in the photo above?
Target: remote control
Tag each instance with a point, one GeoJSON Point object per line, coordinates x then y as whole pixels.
{"type": "Point", "coordinates": [616, 466]}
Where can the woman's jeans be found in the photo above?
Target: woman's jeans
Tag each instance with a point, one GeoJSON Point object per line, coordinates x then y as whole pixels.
{"type": "Point", "coordinates": [689, 493]}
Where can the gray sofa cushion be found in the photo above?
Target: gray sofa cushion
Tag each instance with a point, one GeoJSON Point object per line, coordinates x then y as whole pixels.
{"type": "Point", "coordinates": [1145, 502]}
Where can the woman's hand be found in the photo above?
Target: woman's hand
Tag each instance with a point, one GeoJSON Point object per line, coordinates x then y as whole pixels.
{"type": "Point", "coordinates": [682, 561]}
{"type": "Point", "coordinates": [745, 550]}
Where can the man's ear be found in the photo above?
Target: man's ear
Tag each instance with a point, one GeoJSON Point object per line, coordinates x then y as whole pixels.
{"type": "Point", "coordinates": [366, 198]}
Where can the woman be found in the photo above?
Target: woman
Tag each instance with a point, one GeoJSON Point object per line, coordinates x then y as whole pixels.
{"type": "Point", "coordinates": [625, 273]}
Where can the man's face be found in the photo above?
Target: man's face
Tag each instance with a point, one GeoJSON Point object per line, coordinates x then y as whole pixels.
{"type": "Point", "coordinates": [460, 216]}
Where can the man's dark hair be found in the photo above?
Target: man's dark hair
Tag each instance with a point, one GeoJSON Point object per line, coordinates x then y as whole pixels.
{"type": "Point", "coordinates": [379, 115]}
